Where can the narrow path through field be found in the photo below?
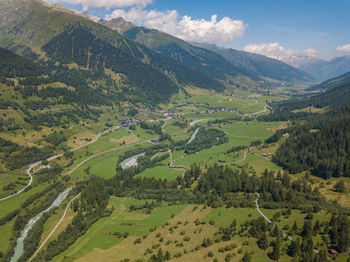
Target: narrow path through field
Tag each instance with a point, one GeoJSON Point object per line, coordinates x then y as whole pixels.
{"type": "Point", "coordinates": [54, 229]}
{"type": "Point", "coordinates": [268, 220]}
{"type": "Point", "coordinates": [171, 156]}
{"type": "Point", "coordinates": [244, 158]}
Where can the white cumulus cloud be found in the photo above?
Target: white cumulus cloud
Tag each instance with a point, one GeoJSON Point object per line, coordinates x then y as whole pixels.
{"type": "Point", "coordinates": [310, 52]}
{"type": "Point", "coordinates": [108, 4]}
{"type": "Point", "coordinates": [344, 48]}
{"type": "Point", "coordinates": [275, 50]}
{"type": "Point", "coordinates": [272, 50]}
{"type": "Point", "coordinates": [186, 28]}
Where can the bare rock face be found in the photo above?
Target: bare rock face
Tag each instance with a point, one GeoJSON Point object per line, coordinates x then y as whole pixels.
{"type": "Point", "coordinates": [117, 24]}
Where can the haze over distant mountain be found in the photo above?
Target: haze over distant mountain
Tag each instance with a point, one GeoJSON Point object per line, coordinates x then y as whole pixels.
{"type": "Point", "coordinates": [260, 64]}
{"type": "Point", "coordinates": [342, 80]}
{"type": "Point", "coordinates": [320, 69]}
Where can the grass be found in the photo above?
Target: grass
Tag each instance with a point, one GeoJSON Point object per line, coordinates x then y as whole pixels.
{"type": "Point", "coordinates": [144, 134]}
{"type": "Point", "coordinates": [5, 233]}
{"type": "Point", "coordinates": [253, 108]}
{"type": "Point", "coordinates": [224, 216]}
{"type": "Point", "coordinates": [162, 172]}
{"type": "Point", "coordinates": [15, 202]}
{"type": "Point", "coordinates": [103, 166]}
{"type": "Point", "coordinates": [212, 98]}
{"type": "Point", "coordinates": [122, 220]}
{"type": "Point", "coordinates": [6, 179]}
{"type": "Point", "coordinates": [239, 134]}
{"type": "Point", "coordinates": [170, 234]}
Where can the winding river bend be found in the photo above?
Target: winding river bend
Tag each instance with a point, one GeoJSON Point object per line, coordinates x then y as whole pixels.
{"type": "Point", "coordinates": [193, 136]}
{"type": "Point", "coordinates": [131, 161]}
{"type": "Point", "coordinates": [19, 249]}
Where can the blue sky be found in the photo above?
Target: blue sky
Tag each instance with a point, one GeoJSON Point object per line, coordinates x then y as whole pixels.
{"type": "Point", "coordinates": [319, 26]}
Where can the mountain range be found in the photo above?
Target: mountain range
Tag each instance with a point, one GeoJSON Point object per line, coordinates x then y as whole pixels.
{"type": "Point", "coordinates": [147, 62]}
{"type": "Point", "coordinates": [122, 62]}
{"type": "Point", "coordinates": [209, 58]}
{"type": "Point", "coordinates": [320, 69]}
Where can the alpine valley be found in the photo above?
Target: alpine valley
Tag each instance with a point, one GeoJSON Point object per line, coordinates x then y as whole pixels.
{"type": "Point", "coordinates": [124, 143]}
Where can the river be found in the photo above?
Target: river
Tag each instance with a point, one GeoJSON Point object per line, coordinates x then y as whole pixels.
{"type": "Point", "coordinates": [131, 161]}
{"type": "Point", "coordinates": [193, 136]}
{"type": "Point", "coordinates": [19, 249]}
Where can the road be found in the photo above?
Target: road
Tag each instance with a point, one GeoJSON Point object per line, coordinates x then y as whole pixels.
{"type": "Point", "coordinates": [54, 229]}
{"type": "Point", "coordinates": [193, 123]}
{"type": "Point", "coordinates": [268, 220]}
{"type": "Point", "coordinates": [100, 154]}
{"type": "Point", "coordinates": [32, 166]}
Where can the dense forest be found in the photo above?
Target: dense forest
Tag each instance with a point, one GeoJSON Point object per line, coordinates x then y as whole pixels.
{"type": "Point", "coordinates": [95, 54]}
{"type": "Point", "coordinates": [216, 187]}
{"type": "Point", "coordinates": [12, 65]}
{"type": "Point", "coordinates": [321, 144]}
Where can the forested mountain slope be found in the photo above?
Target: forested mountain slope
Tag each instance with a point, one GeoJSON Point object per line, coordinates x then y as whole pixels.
{"type": "Point", "coordinates": [337, 94]}
{"type": "Point", "coordinates": [27, 26]}
{"type": "Point", "coordinates": [199, 59]}
{"type": "Point", "coordinates": [321, 144]}
{"type": "Point", "coordinates": [338, 81]}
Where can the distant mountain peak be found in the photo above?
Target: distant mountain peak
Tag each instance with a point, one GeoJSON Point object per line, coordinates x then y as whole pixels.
{"type": "Point", "coordinates": [118, 24]}
{"type": "Point", "coordinates": [319, 68]}
{"type": "Point", "coordinates": [298, 61]}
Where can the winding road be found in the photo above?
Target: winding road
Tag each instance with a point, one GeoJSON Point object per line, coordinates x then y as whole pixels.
{"type": "Point", "coordinates": [32, 166]}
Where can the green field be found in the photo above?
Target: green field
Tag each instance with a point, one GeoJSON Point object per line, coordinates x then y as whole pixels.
{"type": "Point", "coordinates": [104, 166]}
{"type": "Point", "coordinates": [136, 223]}
{"type": "Point", "coordinates": [13, 203]}
{"type": "Point", "coordinates": [6, 179]}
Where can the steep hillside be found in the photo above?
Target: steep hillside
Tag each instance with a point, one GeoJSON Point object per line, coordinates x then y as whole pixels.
{"type": "Point", "coordinates": [95, 54]}
{"type": "Point", "coordinates": [26, 26]}
{"type": "Point", "coordinates": [322, 145]}
{"type": "Point", "coordinates": [13, 65]}
{"type": "Point", "coordinates": [262, 65]}
{"type": "Point", "coordinates": [337, 94]}
{"type": "Point", "coordinates": [199, 59]}
{"type": "Point", "coordinates": [333, 83]}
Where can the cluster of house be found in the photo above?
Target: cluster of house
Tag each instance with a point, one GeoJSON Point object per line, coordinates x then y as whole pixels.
{"type": "Point", "coordinates": [126, 122]}
{"type": "Point", "coordinates": [265, 155]}
{"type": "Point", "coordinates": [171, 114]}
{"type": "Point", "coordinates": [220, 109]}
{"type": "Point", "coordinates": [172, 166]}
{"type": "Point", "coordinates": [252, 98]}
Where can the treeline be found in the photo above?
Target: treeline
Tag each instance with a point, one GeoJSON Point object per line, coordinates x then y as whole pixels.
{"type": "Point", "coordinates": [62, 118]}
{"type": "Point", "coordinates": [219, 184]}
{"type": "Point", "coordinates": [216, 187]}
{"type": "Point", "coordinates": [321, 145]}
{"type": "Point", "coordinates": [12, 65]}
{"type": "Point", "coordinates": [205, 138]}
{"type": "Point", "coordinates": [15, 156]}
{"type": "Point", "coordinates": [333, 234]}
